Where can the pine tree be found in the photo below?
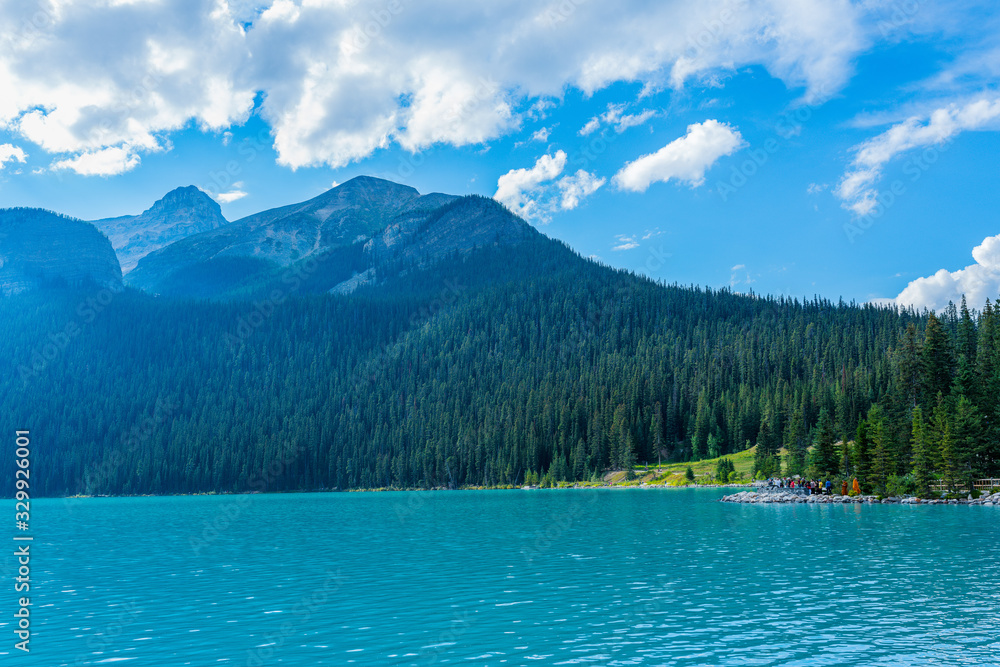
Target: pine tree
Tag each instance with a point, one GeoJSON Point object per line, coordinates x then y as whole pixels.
{"type": "Point", "coordinates": [951, 464]}
{"type": "Point", "coordinates": [967, 436]}
{"type": "Point", "coordinates": [656, 431]}
{"type": "Point", "coordinates": [825, 459]}
{"type": "Point", "coordinates": [861, 453]}
{"type": "Point", "coordinates": [923, 457]}
{"type": "Point", "coordinates": [937, 360]}
{"type": "Point", "coordinates": [629, 457]}
{"type": "Point", "coordinates": [795, 460]}
{"type": "Point", "coordinates": [881, 466]}
{"type": "Point", "coordinates": [909, 367]}
{"type": "Point", "coordinates": [765, 460]}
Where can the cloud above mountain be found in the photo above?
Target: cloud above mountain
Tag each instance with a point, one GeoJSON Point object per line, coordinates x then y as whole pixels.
{"type": "Point", "coordinates": [858, 188]}
{"type": "Point", "coordinates": [99, 85]}
{"type": "Point", "coordinates": [535, 193]}
{"type": "Point", "coordinates": [684, 159]}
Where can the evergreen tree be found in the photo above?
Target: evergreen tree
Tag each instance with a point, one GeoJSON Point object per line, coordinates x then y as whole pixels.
{"type": "Point", "coordinates": [881, 465]}
{"type": "Point", "coordinates": [861, 454]}
{"type": "Point", "coordinates": [937, 360]}
{"type": "Point", "coordinates": [923, 456]}
{"type": "Point", "coordinates": [967, 441]}
{"type": "Point", "coordinates": [825, 459]}
{"type": "Point", "coordinates": [795, 460]}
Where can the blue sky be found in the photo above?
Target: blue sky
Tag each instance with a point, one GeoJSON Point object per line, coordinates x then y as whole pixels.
{"type": "Point", "coordinates": [796, 147]}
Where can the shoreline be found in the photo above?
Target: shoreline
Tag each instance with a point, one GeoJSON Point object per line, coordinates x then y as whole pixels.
{"type": "Point", "coordinates": [390, 489]}
{"type": "Point", "coordinates": [755, 498]}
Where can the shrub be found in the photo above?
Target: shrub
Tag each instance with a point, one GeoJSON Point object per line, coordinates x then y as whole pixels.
{"type": "Point", "coordinates": [901, 486]}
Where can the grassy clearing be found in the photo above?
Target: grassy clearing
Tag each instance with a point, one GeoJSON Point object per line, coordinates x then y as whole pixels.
{"type": "Point", "coordinates": [673, 474]}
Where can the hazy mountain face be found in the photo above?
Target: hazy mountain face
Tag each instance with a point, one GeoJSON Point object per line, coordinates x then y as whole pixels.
{"type": "Point", "coordinates": [181, 213]}
{"type": "Point", "coordinates": [365, 231]}
{"type": "Point", "coordinates": [357, 233]}
{"type": "Point", "coordinates": [39, 248]}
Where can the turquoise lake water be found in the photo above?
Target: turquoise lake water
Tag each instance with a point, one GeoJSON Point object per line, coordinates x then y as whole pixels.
{"type": "Point", "coordinates": [570, 577]}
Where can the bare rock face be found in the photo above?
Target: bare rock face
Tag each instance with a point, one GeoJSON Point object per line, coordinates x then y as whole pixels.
{"type": "Point", "coordinates": [39, 248]}
{"type": "Point", "coordinates": [348, 214]}
{"type": "Point", "coordinates": [181, 213]}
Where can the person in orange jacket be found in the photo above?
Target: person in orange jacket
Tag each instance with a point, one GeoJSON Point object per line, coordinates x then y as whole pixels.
{"type": "Point", "coordinates": [857, 487]}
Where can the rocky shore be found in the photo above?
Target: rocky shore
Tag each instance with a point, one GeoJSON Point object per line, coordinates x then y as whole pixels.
{"type": "Point", "coordinates": [754, 497]}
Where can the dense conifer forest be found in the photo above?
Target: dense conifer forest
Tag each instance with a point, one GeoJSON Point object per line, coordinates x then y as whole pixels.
{"type": "Point", "coordinates": [485, 369]}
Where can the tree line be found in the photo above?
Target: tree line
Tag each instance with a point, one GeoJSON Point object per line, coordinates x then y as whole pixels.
{"type": "Point", "coordinates": [502, 365]}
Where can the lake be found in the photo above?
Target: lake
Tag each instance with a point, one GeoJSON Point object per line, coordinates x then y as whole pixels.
{"type": "Point", "coordinates": [567, 577]}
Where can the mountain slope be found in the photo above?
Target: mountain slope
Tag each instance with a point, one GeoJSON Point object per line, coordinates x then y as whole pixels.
{"type": "Point", "coordinates": [360, 232]}
{"type": "Point", "coordinates": [463, 348]}
{"type": "Point", "coordinates": [39, 248]}
{"type": "Point", "coordinates": [473, 370]}
{"type": "Point", "coordinates": [181, 213]}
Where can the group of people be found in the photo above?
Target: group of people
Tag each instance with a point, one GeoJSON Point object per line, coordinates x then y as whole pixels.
{"type": "Point", "coordinates": [813, 486]}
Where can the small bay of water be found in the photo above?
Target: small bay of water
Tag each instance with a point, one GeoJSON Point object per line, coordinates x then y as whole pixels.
{"type": "Point", "coordinates": [568, 577]}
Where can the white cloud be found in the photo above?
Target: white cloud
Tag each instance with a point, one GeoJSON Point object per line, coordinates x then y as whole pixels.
{"type": "Point", "coordinates": [542, 134]}
{"type": "Point", "coordinates": [591, 126]}
{"type": "Point", "coordinates": [816, 188]}
{"type": "Point", "coordinates": [615, 115]}
{"type": "Point", "coordinates": [535, 194]}
{"type": "Point", "coordinates": [231, 196]}
{"type": "Point", "coordinates": [738, 267]}
{"type": "Point", "coordinates": [684, 159]}
{"type": "Point", "coordinates": [625, 243]}
{"type": "Point", "coordinates": [11, 153]}
{"type": "Point", "coordinates": [337, 80]}
{"type": "Point", "coordinates": [857, 188]}
{"type": "Point", "coordinates": [633, 120]}
{"type": "Point", "coordinates": [576, 187]}
{"type": "Point", "coordinates": [978, 282]}
{"type": "Point", "coordinates": [96, 76]}
{"type": "Point", "coordinates": [516, 187]}
{"type": "Point", "coordinates": [104, 162]}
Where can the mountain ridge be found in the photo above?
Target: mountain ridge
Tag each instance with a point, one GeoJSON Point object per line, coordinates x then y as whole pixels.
{"type": "Point", "coordinates": [180, 213]}
{"type": "Point", "coordinates": [40, 248]}
{"type": "Point", "coordinates": [358, 228]}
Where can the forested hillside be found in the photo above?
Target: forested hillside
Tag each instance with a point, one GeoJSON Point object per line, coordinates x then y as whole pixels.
{"type": "Point", "coordinates": [487, 366]}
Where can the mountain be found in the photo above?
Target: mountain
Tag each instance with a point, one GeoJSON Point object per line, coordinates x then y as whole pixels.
{"type": "Point", "coordinates": [39, 248]}
{"type": "Point", "coordinates": [464, 348]}
{"type": "Point", "coordinates": [355, 232]}
{"type": "Point", "coordinates": [181, 213]}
